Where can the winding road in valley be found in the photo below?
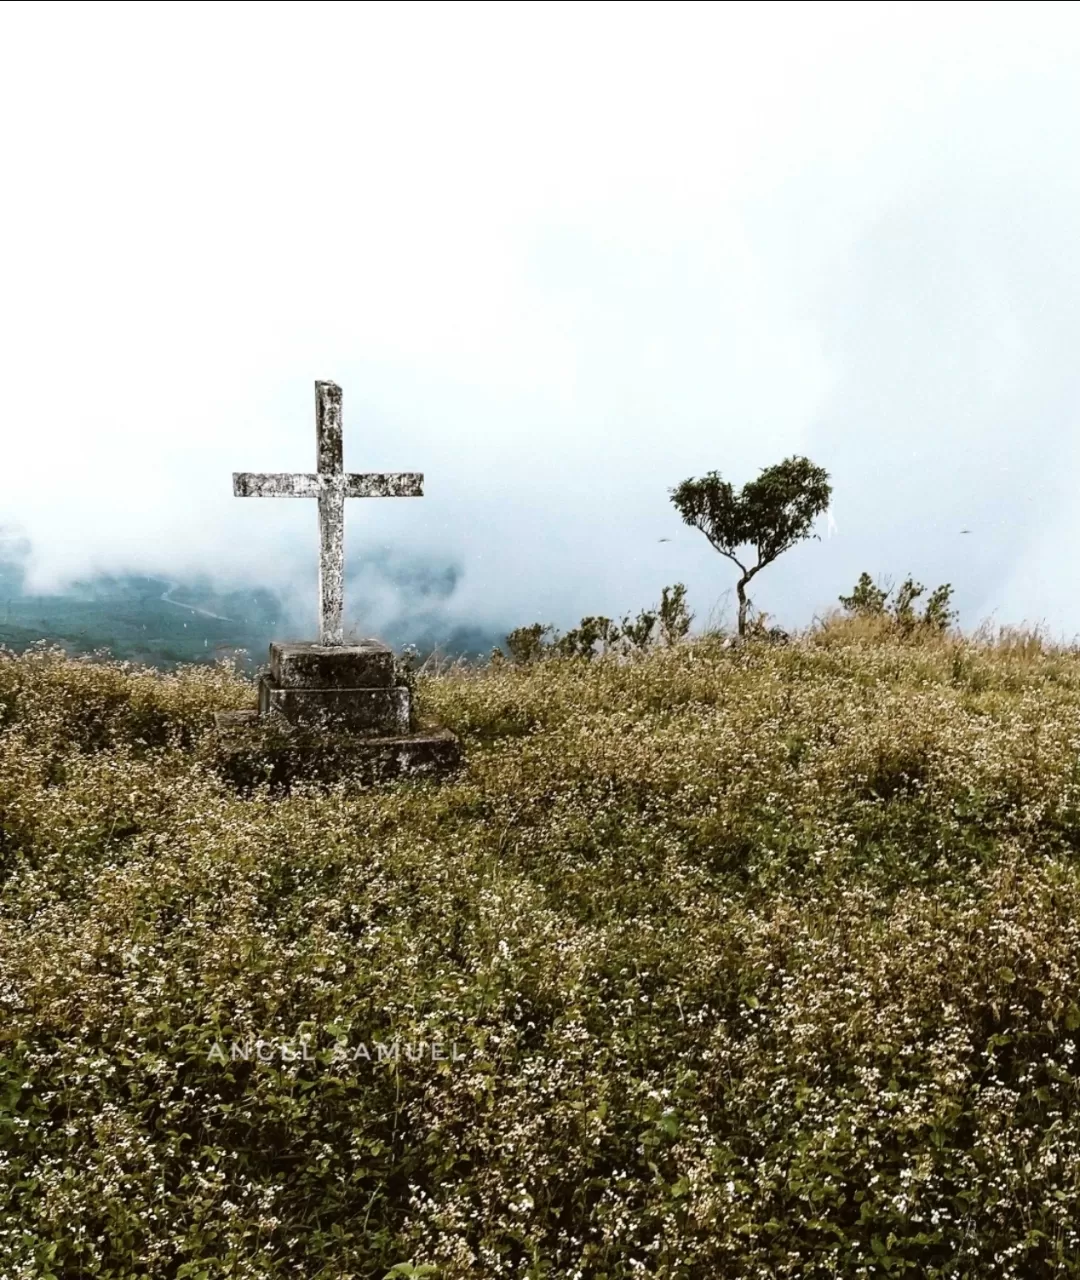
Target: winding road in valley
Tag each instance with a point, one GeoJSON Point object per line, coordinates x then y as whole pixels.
{"type": "Point", "coordinates": [166, 596]}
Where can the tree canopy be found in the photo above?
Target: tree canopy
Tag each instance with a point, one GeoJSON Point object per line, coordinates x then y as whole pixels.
{"type": "Point", "coordinates": [770, 514]}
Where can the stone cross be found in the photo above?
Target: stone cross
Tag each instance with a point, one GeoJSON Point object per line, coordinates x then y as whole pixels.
{"type": "Point", "coordinates": [331, 484]}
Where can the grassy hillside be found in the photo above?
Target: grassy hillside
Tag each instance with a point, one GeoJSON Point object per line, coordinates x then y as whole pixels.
{"type": "Point", "coordinates": [757, 962]}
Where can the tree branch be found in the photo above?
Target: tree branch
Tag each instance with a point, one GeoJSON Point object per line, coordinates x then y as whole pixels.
{"type": "Point", "coordinates": [728, 554]}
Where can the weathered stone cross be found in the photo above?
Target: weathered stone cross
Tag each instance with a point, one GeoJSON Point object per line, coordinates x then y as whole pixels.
{"type": "Point", "coordinates": [331, 485]}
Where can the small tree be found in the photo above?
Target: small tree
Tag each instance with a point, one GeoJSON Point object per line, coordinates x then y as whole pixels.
{"type": "Point", "coordinates": [581, 641]}
{"type": "Point", "coordinates": [771, 514]}
{"type": "Point", "coordinates": [938, 613]}
{"type": "Point", "coordinates": [867, 599]}
{"type": "Point", "coordinates": [527, 644]}
{"type": "Point", "coordinates": [674, 618]}
{"type": "Point", "coordinates": [636, 635]}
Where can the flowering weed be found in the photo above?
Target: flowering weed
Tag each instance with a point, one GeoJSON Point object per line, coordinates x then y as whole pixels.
{"type": "Point", "coordinates": [756, 961]}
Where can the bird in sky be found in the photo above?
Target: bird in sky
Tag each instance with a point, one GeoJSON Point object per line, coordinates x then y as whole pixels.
{"type": "Point", "coordinates": [663, 539]}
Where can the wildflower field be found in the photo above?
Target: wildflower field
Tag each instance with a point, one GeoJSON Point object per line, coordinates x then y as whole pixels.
{"type": "Point", "coordinates": [713, 962]}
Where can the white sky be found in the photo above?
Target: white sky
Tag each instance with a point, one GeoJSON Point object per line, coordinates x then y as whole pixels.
{"type": "Point", "coordinates": [560, 257]}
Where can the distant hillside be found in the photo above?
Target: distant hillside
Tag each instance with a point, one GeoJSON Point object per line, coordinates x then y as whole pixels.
{"type": "Point", "coordinates": [147, 620]}
{"type": "Point", "coordinates": [162, 623]}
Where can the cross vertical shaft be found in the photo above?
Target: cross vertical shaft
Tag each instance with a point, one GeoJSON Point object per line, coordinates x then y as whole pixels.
{"type": "Point", "coordinates": [329, 462]}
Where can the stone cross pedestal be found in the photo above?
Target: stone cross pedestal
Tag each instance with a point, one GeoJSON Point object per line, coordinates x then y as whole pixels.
{"type": "Point", "coordinates": [328, 709]}
{"type": "Point", "coordinates": [348, 687]}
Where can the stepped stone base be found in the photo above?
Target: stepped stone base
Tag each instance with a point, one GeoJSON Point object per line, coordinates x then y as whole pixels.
{"type": "Point", "coordinates": [251, 749]}
{"type": "Point", "coordinates": [347, 688]}
{"type": "Point", "coordinates": [327, 713]}
{"type": "Point", "coordinates": [353, 710]}
{"type": "Point", "coordinates": [367, 665]}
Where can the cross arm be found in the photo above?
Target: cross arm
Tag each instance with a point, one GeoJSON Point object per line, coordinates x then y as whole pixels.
{"type": "Point", "coordinates": [389, 484]}
{"type": "Point", "coordinates": [252, 484]}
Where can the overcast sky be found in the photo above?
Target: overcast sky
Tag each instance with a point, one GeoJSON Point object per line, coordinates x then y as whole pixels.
{"type": "Point", "coordinates": [560, 257]}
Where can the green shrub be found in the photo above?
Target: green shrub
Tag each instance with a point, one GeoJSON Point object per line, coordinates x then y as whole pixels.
{"type": "Point", "coordinates": [581, 642]}
{"type": "Point", "coordinates": [673, 615]}
{"type": "Point", "coordinates": [527, 644]}
{"type": "Point", "coordinates": [867, 599]}
{"type": "Point", "coordinates": [596, 634]}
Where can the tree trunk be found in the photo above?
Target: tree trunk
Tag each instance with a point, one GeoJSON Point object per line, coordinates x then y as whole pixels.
{"type": "Point", "coordinates": [740, 588]}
